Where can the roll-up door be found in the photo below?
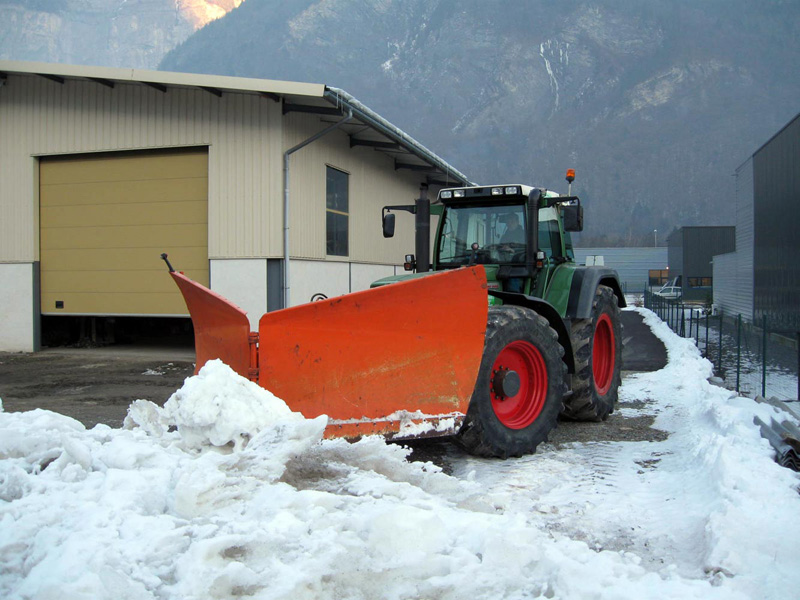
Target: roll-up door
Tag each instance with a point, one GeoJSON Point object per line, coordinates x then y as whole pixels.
{"type": "Point", "coordinates": [104, 221]}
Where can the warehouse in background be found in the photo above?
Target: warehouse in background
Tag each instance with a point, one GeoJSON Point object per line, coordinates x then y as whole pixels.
{"type": "Point", "coordinates": [636, 266]}
{"type": "Point", "coordinates": [268, 191]}
{"type": "Point", "coordinates": [691, 250]}
{"type": "Point", "coordinates": [762, 277]}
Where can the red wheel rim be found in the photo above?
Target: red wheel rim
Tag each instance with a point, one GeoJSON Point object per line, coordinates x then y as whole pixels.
{"type": "Point", "coordinates": [521, 409]}
{"type": "Point", "coordinates": [603, 354]}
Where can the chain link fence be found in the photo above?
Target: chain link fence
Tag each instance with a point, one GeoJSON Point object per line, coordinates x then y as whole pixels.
{"type": "Point", "coordinates": [752, 358]}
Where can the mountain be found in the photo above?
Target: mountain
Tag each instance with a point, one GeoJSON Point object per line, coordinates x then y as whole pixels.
{"type": "Point", "coordinates": [654, 103]}
{"type": "Point", "coordinates": [112, 33]}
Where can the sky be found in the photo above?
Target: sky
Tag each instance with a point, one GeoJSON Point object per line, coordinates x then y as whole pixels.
{"type": "Point", "coordinates": [225, 493]}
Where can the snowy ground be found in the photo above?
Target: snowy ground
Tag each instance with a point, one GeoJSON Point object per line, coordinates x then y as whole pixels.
{"type": "Point", "coordinates": [225, 493]}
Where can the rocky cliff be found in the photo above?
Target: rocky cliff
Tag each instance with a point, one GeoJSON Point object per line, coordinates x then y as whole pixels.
{"type": "Point", "coordinates": [654, 103]}
{"type": "Point", "coordinates": [115, 33]}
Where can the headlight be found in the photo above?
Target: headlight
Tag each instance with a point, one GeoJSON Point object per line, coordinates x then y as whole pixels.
{"type": "Point", "coordinates": [497, 191]}
{"type": "Point", "coordinates": [458, 193]}
{"type": "Point", "coordinates": [447, 194]}
{"type": "Point", "coordinates": [512, 190]}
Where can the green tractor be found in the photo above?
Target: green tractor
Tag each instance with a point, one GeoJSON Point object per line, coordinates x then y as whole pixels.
{"type": "Point", "coordinates": [553, 342]}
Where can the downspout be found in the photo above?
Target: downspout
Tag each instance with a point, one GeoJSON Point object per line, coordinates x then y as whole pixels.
{"type": "Point", "coordinates": [286, 156]}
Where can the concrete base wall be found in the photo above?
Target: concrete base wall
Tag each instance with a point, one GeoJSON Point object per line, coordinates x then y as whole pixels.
{"type": "Point", "coordinates": [310, 277]}
{"type": "Point", "coordinates": [362, 276]}
{"type": "Point", "coordinates": [18, 318]}
{"type": "Point", "coordinates": [333, 279]}
{"type": "Point", "coordinates": [243, 281]}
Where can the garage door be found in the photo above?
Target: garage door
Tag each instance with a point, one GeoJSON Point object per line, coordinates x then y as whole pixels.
{"type": "Point", "coordinates": [104, 221]}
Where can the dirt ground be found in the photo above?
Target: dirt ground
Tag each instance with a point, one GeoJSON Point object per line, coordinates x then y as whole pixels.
{"type": "Point", "coordinates": [96, 385]}
{"type": "Point", "coordinates": [92, 385]}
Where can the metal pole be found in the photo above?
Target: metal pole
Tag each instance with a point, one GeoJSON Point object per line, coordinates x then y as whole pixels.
{"type": "Point", "coordinates": [286, 222]}
{"type": "Point", "coordinates": [706, 335]}
{"type": "Point", "coordinates": [798, 366]}
{"type": "Point", "coordinates": [719, 358]}
{"type": "Point", "coordinates": [683, 320]}
{"type": "Point", "coordinates": [764, 358]}
{"type": "Point", "coordinates": [738, 350]}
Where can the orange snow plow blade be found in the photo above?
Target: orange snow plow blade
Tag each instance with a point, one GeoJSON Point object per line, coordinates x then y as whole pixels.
{"type": "Point", "coordinates": [399, 360]}
{"type": "Point", "coordinates": [221, 329]}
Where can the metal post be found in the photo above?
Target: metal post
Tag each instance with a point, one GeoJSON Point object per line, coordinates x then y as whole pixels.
{"type": "Point", "coordinates": [683, 320]}
{"type": "Point", "coordinates": [697, 329]}
{"type": "Point", "coordinates": [719, 358]}
{"type": "Point", "coordinates": [764, 358]}
{"type": "Point", "coordinates": [286, 205]}
{"type": "Point", "coordinates": [706, 349]}
{"type": "Point", "coordinates": [738, 350]}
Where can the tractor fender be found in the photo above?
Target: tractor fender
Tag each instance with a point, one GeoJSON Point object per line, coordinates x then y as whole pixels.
{"type": "Point", "coordinates": [549, 312]}
{"type": "Point", "coordinates": [584, 285]}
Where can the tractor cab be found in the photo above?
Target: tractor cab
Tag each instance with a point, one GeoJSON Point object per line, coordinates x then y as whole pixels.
{"type": "Point", "coordinates": [492, 225]}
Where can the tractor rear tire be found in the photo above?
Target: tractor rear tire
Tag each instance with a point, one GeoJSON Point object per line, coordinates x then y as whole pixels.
{"type": "Point", "coordinates": [597, 347]}
{"type": "Point", "coordinates": [520, 386]}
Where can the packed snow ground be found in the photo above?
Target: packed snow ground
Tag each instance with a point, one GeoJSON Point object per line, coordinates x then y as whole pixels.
{"type": "Point", "coordinates": [226, 493]}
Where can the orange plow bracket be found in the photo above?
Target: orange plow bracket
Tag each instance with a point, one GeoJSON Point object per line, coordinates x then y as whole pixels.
{"type": "Point", "coordinates": [379, 361]}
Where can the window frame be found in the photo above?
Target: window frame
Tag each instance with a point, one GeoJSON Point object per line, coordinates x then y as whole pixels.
{"type": "Point", "coordinates": [330, 249]}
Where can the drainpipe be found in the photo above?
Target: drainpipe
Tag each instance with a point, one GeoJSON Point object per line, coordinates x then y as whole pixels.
{"type": "Point", "coordinates": [286, 156]}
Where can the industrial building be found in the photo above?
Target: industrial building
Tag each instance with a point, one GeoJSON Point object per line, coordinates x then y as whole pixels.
{"type": "Point", "coordinates": [690, 254]}
{"type": "Point", "coordinates": [633, 265]}
{"type": "Point", "coordinates": [268, 191]}
{"type": "Point", "coordinates": [762, 277]}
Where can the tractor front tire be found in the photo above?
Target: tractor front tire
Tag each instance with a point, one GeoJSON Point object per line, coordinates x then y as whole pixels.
{"type": "Point", "coordinates": [520, 386]}
{"type": "Point", "coordinates": [597, 347]}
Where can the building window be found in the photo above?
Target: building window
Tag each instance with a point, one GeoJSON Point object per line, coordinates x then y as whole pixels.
{"type": "Point", "coordinates": [337, 211]}
{"type": "Point", "coordinates": [658, 276]}
{"type": "Point", "coordinates": [699, 282]}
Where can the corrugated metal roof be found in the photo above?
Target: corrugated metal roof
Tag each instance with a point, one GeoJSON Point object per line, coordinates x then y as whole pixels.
{"type": "Point", "coordinates": [164, 78]}
{"type": "Point", "coordinates": [367, 128]}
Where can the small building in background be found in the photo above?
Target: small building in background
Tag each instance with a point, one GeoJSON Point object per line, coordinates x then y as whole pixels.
{"type": "Point", "coordinates": [632, 264]}
{"type": "Point", "coordinates": [691, 250]}
{"type": "Point", "coordinates": [762, 277]}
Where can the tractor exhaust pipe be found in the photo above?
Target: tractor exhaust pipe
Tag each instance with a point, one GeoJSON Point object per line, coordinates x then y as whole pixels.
{"type": "Point", "coordinates": [422, 241]}
{"type": "Point", "coordinates": [532, 208]}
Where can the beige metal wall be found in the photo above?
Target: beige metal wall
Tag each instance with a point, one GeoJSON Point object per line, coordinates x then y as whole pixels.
{"type": "Point", "coordinates": [39, 117]}
{"type": "Point", "coordinates": [246, 136]}
{"type": "Point", "coordinates": [373, 183]}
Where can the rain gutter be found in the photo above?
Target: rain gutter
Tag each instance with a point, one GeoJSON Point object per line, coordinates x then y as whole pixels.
{"type": "Point", "coordinates": [345, 101]}
{"type": "Point", "coordinates": [286, 156]}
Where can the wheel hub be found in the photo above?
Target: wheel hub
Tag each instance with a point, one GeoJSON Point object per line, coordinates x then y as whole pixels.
{"type": "Point", "coordinates": [603, 354]}
{"type": "Point", "coordinates": [518, 386]}
{"type": "Point", "coordinates": [506, 383]}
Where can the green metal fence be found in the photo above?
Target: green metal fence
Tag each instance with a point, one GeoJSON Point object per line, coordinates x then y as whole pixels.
{"type": "Point", "coordinates": [752, 358]}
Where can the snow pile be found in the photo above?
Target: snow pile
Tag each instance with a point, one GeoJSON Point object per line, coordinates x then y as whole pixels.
{"type": "Point", "coordinates": [220, 409]}
{"type": "Point", "coordinates": [226, 493]}
{"type": "Point", "coordinates": [751, 533]}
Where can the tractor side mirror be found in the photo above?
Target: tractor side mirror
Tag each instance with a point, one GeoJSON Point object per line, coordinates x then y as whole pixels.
{"type": "Point", "coordinates": [388, 225]}
{"type": "Point", "coordinates": [572, 216]}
